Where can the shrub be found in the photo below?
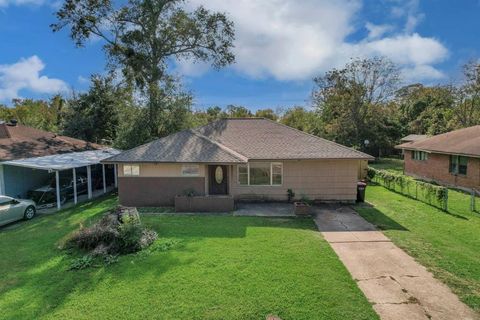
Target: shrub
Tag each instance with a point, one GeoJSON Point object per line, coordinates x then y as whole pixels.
{"type": "Point", "coordinates": [118, 232]}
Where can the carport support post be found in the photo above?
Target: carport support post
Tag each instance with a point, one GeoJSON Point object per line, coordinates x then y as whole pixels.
{"type": "Point", "coordinates": [89, 181]}
{"type": "Point", "coordinates": [57, 185]}
{"type": "Point", "coordinates": [104, 180]}
{"type": "Point", "coordinates": [74, 186]}
{"type": "Point", "coordinates": [115, 168]}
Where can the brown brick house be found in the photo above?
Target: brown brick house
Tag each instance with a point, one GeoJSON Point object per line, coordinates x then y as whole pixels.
{"type": "Point", "coordinates": [252, 158]}
{"type": "Point", "coordinates": [451, 158]}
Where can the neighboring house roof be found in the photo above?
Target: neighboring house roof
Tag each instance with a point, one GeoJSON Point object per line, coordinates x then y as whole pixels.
{"type": "Point", "coordinates": [237, 141]}
{"type": "Point", "coordinates": [19, 142]}
{"type": "Point", "coordinates": [463, 142]}
{"type": "Point", "coordinates": [414, 137]}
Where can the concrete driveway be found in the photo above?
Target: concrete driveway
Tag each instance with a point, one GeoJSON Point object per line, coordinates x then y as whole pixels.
{"type": "Point", "coordinates": [396, 285]}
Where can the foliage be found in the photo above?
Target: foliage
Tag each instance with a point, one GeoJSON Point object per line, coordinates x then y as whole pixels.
{"type": "Point", "coordinates": [267, 114]}
{"type": "Point", "coordinates": [141, 38]}
{"type": "Point", "coordinates": [190, 192]}
{"type": "Point", "coordinates": [39, 114]}
{"type": "Point", "coordinates": [419, 190]}
{"type": "Point", "coordinates": [116, 233]}
{"type": "Point", "coordinates": [81, 263]}
{"type": "Point", "coordinates": [301, 119]}
{"type": "Point", "coordinates": [353, 102]}
{"type": "Point", "coordinates": [94, 115]}
{"type": "Point", "coordinates": [447, 244]}
{"type": "Point", "coordinates": [238, 112]}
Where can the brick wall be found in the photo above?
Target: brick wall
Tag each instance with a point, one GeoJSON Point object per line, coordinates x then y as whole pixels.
{"type": "Point", "coordinates": [437, 168]}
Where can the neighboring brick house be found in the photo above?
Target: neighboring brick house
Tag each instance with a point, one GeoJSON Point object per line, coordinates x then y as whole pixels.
{"type": "Point", "coordinates": [451, 158]}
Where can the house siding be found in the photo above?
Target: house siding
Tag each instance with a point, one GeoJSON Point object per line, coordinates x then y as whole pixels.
{"type": "Point", "coordinates": [437, 166]}
{"type": "Point", "coordinates": [322, 180]}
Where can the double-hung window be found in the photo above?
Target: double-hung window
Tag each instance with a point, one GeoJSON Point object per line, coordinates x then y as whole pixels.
{"type": "Point", "coordinates": [131, 170]}
{"type": "Point", "coordinates": [260, 174]}
{"type": "Point", "coordinates": [419, 155]}
{"type": "Point", "coordinates": [458, 165]}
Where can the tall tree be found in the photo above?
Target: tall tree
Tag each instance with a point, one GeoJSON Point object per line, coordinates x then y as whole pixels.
{"type": "Point", "coordinates": [467, 109]}
{"type": "Point", "coordinates": [344, 98]}
{"type": "Point", "coordinates": [94, 115]}
{"type": "Point", "coordinates": [142, 36]}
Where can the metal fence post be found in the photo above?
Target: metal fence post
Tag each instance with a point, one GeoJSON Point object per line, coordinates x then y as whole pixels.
{"type": "Point", "coordinates": [472, 201]}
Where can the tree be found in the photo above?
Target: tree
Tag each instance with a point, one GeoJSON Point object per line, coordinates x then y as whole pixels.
{"type": "Point", "coordinates": [467, 108]}
{"type": "Point", "coordinates": [94, 116]}
{"type": "Point", "coordinates": [200, 118]}
{"type": "Point", "coordinates": [238, 112]}
{"type": "Point", "coordinates": [40, 114]}
{"type": "Point", "coordinates": [141, 37]}
{"type": "Point", "coordinates": [301, 119]}
{"type": "Point", "coordinates": [426, 110]}
{"type": "Point", "coordinates": [345, 98]}
{"type": "Point", "coordinates": [266, 113]}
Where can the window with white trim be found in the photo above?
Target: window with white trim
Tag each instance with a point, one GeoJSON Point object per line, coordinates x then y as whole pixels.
{"type": "Point", "coordinates": [190, 170]}
{"type": "Point", "coordinates": [242, 174]}
{"type": "Point", "coordinates": [260, 174]}
{"type": "Point", "coordinates": [131, 170]}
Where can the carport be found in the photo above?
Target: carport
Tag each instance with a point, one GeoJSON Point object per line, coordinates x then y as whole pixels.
{"type": "Point", "coordinates": [73, 161]}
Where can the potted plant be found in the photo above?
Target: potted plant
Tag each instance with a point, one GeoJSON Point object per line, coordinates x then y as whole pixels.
{"type": "Point", "coordinates": [302, 207]}
{"type": "Point", "coordinates": [290, 195]}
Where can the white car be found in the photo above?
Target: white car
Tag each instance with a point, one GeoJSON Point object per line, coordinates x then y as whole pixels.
{"type": "Point", "coordinates": [12, 209]}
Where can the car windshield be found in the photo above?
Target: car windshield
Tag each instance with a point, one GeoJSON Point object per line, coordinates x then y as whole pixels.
{"type": "Point", "coordinates": [41, 197]}
{"type": "Point", "coordinates": [5, 200]}
{"type": "Point", "coordinates": [64, 182]}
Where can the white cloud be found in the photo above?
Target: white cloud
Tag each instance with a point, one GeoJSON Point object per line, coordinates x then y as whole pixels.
{"type": "Point", "coordinates": [377, 30]}
{"type": "Point", "coordinates": [25, 75]}
{"type": "Point", "coordinates": [288, 41]}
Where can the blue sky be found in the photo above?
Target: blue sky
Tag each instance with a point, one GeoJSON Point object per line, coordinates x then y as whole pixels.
{"type": "Point", "coordinates": [280, 46]}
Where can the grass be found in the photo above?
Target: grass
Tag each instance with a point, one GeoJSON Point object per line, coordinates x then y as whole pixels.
{"type": "Point", "coordinates": [201, 267]}
{"type": "Point", "coordinates": [390, 164]}
{"type": "Point", "coordinates": [448, 244]}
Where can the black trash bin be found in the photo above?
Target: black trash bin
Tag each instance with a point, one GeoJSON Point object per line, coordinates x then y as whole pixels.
{"type": "Point", "coordinates": [361, 186]}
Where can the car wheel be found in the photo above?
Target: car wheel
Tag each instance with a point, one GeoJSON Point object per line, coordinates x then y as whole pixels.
{"type": "Point", "coordinates": [29, 213]}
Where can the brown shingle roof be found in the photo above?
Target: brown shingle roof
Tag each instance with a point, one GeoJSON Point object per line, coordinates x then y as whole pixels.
{"type": "Point", "coordinates": [463, 142]}
{"type": "Point", "coordinates": [19, 142]}
{"type": "Point", "coordinates": [414, 137]}
{"type": "Point", "coordinates": [239, 140]}
{"type": "Point", "coordinates": [184, 146]}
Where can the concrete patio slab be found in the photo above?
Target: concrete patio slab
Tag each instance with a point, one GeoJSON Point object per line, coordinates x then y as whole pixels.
{"type": "Point", "coordinates": [396, 285]}
{"type": "Point", "coordinates": [261, 209]}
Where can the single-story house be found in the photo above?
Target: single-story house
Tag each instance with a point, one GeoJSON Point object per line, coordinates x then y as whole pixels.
{"type": "Point", "coordinates": [452, 158]}
{"type": "Point", "coordinates": [33, 159]}
{"type": "Point", "coordinates": [238, 158]}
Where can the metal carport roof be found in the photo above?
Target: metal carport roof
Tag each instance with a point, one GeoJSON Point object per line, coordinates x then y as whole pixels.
{"type": "Point", "coordinates": [64, 161]}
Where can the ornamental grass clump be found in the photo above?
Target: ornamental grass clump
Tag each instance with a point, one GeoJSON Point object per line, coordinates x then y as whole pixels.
{"type": "Point", "coordinates": [118, 232]}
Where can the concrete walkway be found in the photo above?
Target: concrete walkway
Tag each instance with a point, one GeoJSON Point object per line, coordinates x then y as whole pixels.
{"type": "Point", "coordinates": [396, 285]}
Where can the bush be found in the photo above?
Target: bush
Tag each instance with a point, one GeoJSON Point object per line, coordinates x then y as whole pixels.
{"type": "Point", "coordinates": [118, 232]}
{"type": "Point", "coordinates": [423, 191]}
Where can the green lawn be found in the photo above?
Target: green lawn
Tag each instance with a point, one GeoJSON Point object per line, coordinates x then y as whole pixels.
{"type": "Point", "coordinates": [446, 243]}
{"type": "Point", "coordinates": [201, 267]}
{"type": "Point", "coordinates": [391, 164]}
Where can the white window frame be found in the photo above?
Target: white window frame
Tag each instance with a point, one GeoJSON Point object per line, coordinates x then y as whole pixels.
{"type": "Point", "coordinates": [128, 170]}
{"type": "Point", "coordinates": [196, 166]}
{"type": "Point", "coordinates": [248, 175]}
{"type": "Point", "coordinates": [264, 185]}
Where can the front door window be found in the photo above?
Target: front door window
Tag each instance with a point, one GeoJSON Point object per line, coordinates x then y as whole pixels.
{"type": "Point", "coordinates": [219, 175]}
